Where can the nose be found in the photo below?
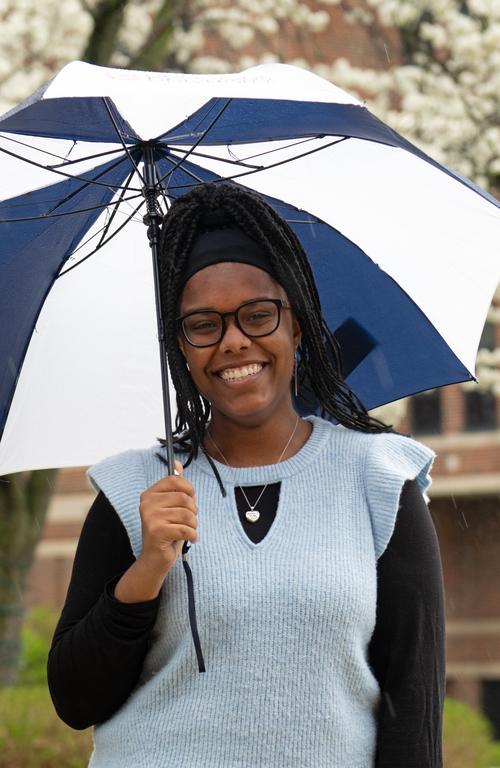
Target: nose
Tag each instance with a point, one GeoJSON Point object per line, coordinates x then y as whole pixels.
{"type": "Point", "coordinates": [233, 339]}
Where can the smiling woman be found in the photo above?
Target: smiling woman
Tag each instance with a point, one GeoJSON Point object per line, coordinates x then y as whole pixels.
{"type": "Point", "coordinates": [318, 580]}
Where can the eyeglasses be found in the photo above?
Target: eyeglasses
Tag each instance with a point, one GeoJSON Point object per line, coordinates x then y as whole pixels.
{"type": "Point", "coordinates": [256, 318]}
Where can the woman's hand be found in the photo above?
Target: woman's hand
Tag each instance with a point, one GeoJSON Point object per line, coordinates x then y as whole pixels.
{"type": "Point", "coordinates": [169, 517]}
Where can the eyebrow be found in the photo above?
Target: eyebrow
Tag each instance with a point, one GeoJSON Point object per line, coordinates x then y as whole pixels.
{"type": "Point", "coordinates": [212, 309]}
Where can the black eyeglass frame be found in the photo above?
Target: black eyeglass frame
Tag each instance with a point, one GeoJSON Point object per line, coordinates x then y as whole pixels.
{"type": "Point", "coordinates": [279, 303]}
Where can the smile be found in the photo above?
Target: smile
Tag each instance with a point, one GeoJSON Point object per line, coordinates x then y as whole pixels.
{"type": "Point", "coordinates": [238, 374]}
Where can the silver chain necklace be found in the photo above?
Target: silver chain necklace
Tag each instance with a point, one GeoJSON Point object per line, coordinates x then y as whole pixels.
{"type": "Point", "coordinates": [252, 514]}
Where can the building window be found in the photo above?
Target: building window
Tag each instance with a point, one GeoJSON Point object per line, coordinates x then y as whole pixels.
{"type": "Point", "coordinates": [487, 340]}
{"type": "Point", "coordinates": [426, 413]}
{"type": "Point", "coordinates": [480, 406]}
{"type": "Point", "coordinates": [480, 411]}
{"type": "Point", "coordinates": [491, 704]}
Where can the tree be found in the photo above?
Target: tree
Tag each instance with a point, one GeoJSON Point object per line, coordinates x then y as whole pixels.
{"type": "Point", "coordinates": [24, 499]}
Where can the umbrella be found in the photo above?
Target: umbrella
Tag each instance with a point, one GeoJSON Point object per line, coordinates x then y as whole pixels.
{"type": "Point", "coordinates": [404, 251]}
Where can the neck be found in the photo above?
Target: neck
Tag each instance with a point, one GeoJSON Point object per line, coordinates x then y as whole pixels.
{"type": "Point", "coordinates": [258, 444]}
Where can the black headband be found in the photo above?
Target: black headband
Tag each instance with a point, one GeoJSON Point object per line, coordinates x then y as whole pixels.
{"type": "Point", "coordinates": [225, 244]}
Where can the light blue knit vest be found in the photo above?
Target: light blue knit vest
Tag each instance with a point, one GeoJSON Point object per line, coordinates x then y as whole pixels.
{"type": "Point", "coordinates": [284, 624]}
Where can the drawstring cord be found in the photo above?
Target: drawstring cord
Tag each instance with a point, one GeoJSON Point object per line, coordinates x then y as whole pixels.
{"type": "Point", "coordinates": [192, 611]}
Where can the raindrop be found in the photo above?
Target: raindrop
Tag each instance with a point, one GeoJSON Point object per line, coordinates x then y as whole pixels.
{"type": "Point", "coordinates": [390, 707]}
{"type": "Point", "coordinates": [387, 54]}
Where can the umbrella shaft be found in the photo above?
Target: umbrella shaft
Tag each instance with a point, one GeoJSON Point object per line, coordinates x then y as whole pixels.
{"type": "Point", "coordinates": [152, 219]}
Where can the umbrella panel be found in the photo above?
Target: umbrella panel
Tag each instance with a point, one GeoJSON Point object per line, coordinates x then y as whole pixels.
{"type": "Point", "coordinates": [33, 253]}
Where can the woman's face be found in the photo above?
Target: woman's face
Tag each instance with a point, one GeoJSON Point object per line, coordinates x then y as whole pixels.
{"type": "Point", "coordinates": [252, 396]}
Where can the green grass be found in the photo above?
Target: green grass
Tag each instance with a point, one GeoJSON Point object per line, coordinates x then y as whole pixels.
{"type": "Point", "coordinates": [32, 735]}
{"type": "Point", "coordinates": [467, 738]}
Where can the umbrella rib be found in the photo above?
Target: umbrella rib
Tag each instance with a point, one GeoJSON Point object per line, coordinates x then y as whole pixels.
{"type": "Point", "coordinates": [243, 162]}
{"type": "Point", "coordinates": [286, 146]}
{"type": "Point", "coordinates": [288, 160]}
{"type": "Point", "coordinates": [67, 213]}
{"type": "Point", "coordinates": [118, 133]}
{"type": "Point", "coordinates": [87, 157]}
{"type": "Point", "coordinates": [30, 146]}
{"type": "Point", "coordinates": [173, 150]}
{"type": "Point", "coordinates": [61, 173]}
{"type": "Point", "coordinates": [102, 243]}
{"type": "Point", "coordinates": [161, 136]}
{"type": "Point", "coordinates": [205, 116]}
{"type": "Point", "coordinates": [267, 167]}
{"type": "Point", "coordinates": [161, 188]}
{"type": "Point", "coordinates": [202, 136]}
{"type": "Point", "coordinates": [115, 209]}
{"type": "Point", "coordinates": [60, 157]}
{"type": "Point", "coordinates": [185, 170]}
{"type": "Point", "coordinates": [96, 234]}
{"type": "Point", "coordinates": [84, 186]}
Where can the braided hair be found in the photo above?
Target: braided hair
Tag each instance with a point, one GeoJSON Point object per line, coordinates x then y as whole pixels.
{"type": "Point", "coordinates": [319, 362]}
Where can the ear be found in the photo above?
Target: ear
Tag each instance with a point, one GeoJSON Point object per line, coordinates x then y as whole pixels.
{"type": "Point", "coordinates": [297, 333]}
{"type": "Point", "coordinates": [182, 347]}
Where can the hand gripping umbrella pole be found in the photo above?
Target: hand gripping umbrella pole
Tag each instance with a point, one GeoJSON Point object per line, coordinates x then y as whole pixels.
{"type": "Point", "coordinates": [152, 220]}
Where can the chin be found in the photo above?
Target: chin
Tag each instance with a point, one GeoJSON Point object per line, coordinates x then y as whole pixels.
{"type": "Point", "coordinates": [254, 412]}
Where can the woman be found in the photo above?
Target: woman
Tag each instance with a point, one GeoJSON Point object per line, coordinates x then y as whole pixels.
{"type": "Point", "coordinates": [317, 577]}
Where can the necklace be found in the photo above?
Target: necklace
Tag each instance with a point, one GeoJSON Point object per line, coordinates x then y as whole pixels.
{"type": "Point", "coordinates": [252, 514]}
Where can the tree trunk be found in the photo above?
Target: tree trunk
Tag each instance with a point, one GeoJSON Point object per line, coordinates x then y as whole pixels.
{"type": "Point", "coordinates": [108, 19]}
{"type": "Point", "coordinates": [24, 500]}
{"type": "Point", "coordinates": [153, 52]}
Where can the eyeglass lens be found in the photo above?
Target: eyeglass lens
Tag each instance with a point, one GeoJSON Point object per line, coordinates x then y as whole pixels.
{"type": "Point", "coordinates": [258, 318]}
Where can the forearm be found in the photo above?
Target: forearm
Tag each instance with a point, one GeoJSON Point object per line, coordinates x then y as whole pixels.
{"type": "Point", "coordinates": [94, 664]}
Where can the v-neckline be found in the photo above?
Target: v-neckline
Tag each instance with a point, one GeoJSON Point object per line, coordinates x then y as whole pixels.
{"type": "Point", "coordinates": [235, 517]}
{"type": "Point", "coordinates": [266, 505]}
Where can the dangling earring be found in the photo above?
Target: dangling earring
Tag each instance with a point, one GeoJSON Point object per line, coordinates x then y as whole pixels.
{"type": "Point", "coordinates": [295, 386]}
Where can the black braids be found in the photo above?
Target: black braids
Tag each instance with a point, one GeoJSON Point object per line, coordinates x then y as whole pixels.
{"type": "Point", "coordinates": [319, 368]}
{"type": "Point", "coordinates": [345, 394]}
{"type": "Point", "coordinates": [189, 414]}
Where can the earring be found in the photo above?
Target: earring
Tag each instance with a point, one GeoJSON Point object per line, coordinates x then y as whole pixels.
{"type": "Point", "coordinates": [295, 386]}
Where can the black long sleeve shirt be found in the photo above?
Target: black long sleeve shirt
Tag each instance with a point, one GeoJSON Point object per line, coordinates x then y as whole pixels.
{"type": "Point", "coordinates": [100, 643]}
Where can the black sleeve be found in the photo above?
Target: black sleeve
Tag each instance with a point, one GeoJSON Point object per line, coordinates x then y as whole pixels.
{"type": "Point", "coordinates": [407, 649]}
{"type": "Point", "coordinates": [99, 643]}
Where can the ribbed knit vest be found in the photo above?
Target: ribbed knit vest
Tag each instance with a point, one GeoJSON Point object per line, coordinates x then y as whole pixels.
{"type": "Point", "coordinates": [284, 624]}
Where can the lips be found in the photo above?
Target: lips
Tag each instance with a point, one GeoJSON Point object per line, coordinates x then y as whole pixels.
{"type": "Point", "coordinates": [241, 372]}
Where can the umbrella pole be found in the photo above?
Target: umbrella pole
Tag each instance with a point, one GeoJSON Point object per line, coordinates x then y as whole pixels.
{"type": "Point", "coordinates": [152, 220]}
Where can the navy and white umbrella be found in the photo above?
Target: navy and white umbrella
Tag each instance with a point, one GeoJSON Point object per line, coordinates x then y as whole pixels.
{"type": "Point", "coordinates": [405, 252]}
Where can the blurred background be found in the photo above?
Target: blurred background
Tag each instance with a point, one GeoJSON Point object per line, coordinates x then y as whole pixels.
{"type": "Point", "coordinates": [431, 69]}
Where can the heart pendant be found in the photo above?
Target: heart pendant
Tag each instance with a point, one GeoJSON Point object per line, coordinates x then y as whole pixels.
{"type": "Point", "coordinates": [252, 515]}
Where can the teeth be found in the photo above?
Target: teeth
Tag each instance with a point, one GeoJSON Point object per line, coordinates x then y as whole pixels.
{"type": "Point", "coordinates": [233, 374]}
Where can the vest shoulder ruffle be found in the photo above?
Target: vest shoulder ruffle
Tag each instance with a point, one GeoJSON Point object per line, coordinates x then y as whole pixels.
{"type": "Point", "coordinates": [391, 460]}
{"type": "Point", "coordinates": [123, 478]}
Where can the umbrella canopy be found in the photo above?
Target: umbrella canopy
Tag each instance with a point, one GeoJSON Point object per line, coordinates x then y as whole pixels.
{"type": "Point", "coordinates": [404, 251]}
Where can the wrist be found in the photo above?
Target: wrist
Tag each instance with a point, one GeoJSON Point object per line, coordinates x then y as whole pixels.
{"type": "Point", "coordinates": [141, 582]}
